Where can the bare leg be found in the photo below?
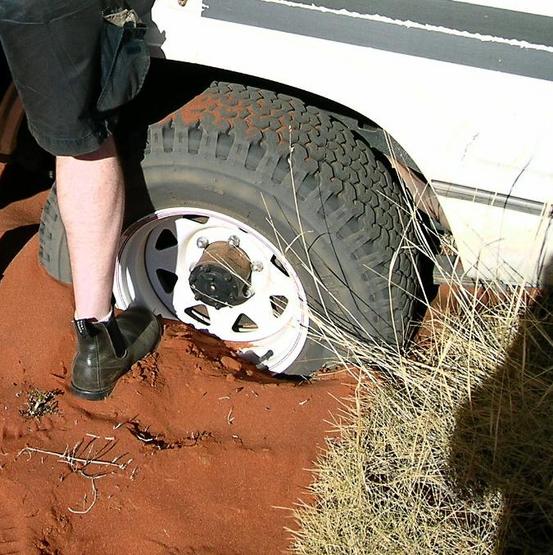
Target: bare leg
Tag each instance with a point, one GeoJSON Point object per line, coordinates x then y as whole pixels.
{"type": "Point", "coordinates": [91, 200]}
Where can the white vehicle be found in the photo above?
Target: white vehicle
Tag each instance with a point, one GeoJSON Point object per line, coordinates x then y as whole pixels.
{"type": "Point", "coordinates": [281, 198]}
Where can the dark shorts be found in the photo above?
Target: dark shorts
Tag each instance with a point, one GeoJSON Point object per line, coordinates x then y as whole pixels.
{"type": "Point", "coordinates": [72, 69]}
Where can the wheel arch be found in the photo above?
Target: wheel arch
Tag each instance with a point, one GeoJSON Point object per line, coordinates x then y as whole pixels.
{"type": "Point", "coordinates": [365, 126]}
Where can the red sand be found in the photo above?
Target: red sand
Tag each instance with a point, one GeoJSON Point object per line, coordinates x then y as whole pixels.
{"type": "Point", "coordinates": [237, 451]}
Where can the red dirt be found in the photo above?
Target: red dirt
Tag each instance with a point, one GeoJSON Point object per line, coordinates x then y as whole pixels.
{"type": "Point", "coordinates": [214, 458]}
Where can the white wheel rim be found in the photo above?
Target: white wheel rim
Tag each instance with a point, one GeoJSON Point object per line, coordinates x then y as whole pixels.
{"type": "Point", "coordinates": [155, 259]}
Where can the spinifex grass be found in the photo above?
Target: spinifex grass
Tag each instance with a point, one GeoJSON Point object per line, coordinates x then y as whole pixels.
{"type": "Point", "coordinates": [447, 448]}
{"type": "Point", "coordinates": [40, 403]}
{"type": "Point", "coordinates": [450, 449]}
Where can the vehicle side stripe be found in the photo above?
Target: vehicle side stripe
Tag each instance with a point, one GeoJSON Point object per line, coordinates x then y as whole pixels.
{"type": "Point", "coordinates": [484, 20]}
{"type": "Point", "coordinates": [449, 45]}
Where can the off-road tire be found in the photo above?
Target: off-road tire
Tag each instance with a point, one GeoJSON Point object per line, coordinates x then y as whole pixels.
{"type": "Point", "coordinates": [303, 180]}
{"type": "Point", "coordinates": [53, 254]}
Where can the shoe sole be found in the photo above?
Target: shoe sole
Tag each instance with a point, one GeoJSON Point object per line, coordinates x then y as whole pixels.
{"type": "Point", "coordinates": [91, 395]}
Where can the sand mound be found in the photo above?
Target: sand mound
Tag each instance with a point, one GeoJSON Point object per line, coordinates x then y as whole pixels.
{"type": "Point", "coordinates": [194, 452]}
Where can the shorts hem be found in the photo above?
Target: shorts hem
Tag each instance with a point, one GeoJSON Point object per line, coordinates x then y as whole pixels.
{"type": "Point", "coordinates": [70, 147]}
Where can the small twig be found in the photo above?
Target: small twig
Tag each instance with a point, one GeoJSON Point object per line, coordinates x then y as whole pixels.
{"type": "Point", "coordinates": [144, 439]}
{"type": "Point", "coordinates": [94, 492]}
{"type": "Point", "coordinates": [109, 446]}
{"type": "Point", "coordinates": [91, 476]}
{"type": "Point", "coordinates": [119, 424]}
{"type": "Point", "coordinates": [70, 459]}
{"type": "Point", "coordinates": [230, 418]}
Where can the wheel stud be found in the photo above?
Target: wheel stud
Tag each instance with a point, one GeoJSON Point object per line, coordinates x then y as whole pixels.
{"type": "Point", "coordinates": [234, 241]}
{"type": "Point", "coordinates": [257, 266]}
{"type": "Point", "coordinates": [249, 292]}
{"type": "Point", "coordinates": [202, 242]}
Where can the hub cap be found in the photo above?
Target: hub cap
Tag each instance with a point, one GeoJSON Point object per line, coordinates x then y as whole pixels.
{"type": "Point", "coordinates": [222, 275]}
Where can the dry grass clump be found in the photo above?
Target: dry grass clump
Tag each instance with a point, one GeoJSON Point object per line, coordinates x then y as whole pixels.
{"type": "Point", "coordinates": [40, 403]}
{"type": "Point", "coordinates": [450, 448]}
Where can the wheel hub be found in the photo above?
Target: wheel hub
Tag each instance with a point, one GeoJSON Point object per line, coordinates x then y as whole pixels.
{"type": "Point", "coordinates": [222, 276]}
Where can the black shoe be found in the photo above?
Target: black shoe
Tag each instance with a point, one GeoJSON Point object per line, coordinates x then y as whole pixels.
{"type": "Point", "coordinates": [107, 350]}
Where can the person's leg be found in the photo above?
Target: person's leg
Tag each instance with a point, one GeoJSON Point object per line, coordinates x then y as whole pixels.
{"type": "Point", "coordinates": [91, 200]}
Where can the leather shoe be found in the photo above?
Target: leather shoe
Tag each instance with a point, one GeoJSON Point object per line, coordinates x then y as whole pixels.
{"type": "Point", "coordinates": [107, 350]}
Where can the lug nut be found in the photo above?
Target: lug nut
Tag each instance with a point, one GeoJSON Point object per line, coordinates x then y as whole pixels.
{"type": "Point", "coordinates": [249, 292]}
{"type": "Point", "coordinates": [234, 241]}
{"type": "Point", "coordinates": [257, 266]}
{"type": "Point", "coordinates": [202, 242]}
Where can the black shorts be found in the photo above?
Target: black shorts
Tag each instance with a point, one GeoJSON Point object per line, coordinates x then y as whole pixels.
{"type": "Point", "coordinates": [72, 68]}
